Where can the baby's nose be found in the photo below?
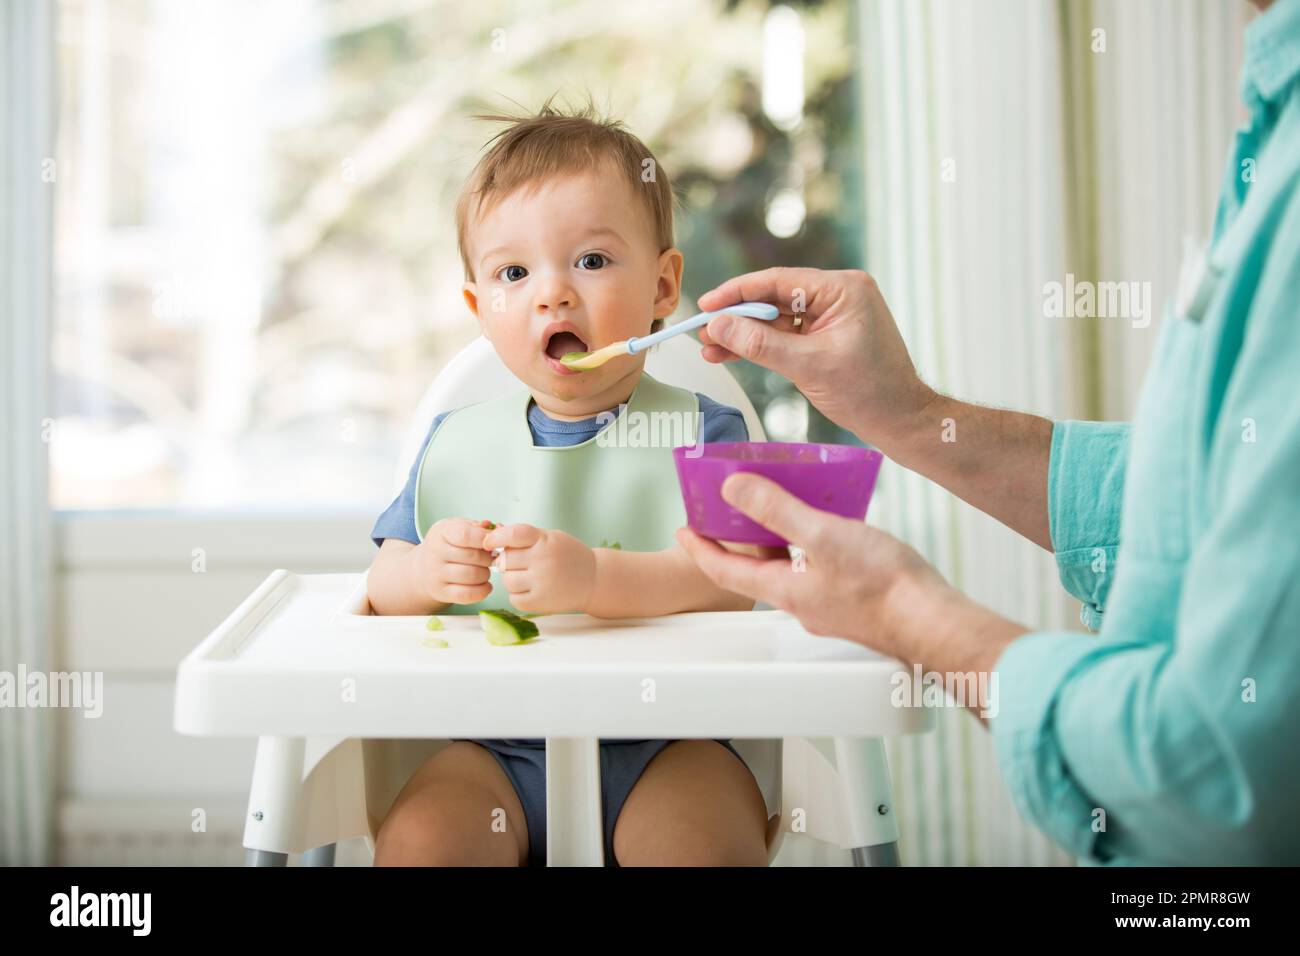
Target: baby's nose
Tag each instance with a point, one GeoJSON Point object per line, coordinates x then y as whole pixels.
{"type": "Point", "coordinates": [553, 294]}
{"type": "Point", "coordinates": [546, 306]}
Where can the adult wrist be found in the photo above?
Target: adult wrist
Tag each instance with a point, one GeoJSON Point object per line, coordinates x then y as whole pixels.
{"type": "Point", "coordinates": [934, 624]}
{"type": "Point", "coordinates": [909, 608]}
{"type": "Point", "coordinates": [911, 428]}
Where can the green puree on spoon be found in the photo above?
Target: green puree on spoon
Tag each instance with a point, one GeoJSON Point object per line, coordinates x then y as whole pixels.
{"type": "Point", "coordinates": [584, 361]}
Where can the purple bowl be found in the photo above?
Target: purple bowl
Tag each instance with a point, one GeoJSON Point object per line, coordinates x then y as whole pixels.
{"type": "Point", "coordinates": [834, 478]}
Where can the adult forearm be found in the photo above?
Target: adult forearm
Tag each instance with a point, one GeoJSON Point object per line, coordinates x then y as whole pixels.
{"type": "Point", "coordinates": [936, 626]}
{"type": "Point", "coordinates": [995, 459]}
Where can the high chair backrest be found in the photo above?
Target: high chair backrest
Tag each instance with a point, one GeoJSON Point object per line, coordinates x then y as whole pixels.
{"type": "Point", "coordinates": [477, 374]}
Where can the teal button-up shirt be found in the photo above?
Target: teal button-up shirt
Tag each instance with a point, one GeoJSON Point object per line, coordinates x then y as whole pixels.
{"type": "Point", "coordinates": [1173, 734]}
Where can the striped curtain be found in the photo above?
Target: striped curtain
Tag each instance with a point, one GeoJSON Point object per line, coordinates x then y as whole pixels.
{"type": "Point", "coordinates": [1007, 143]}
{"type": "Point", "coordinates": [27, 115]}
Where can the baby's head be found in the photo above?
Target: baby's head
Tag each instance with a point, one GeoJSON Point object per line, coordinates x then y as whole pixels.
{"type": "Point", "coordinates": [566, 235]}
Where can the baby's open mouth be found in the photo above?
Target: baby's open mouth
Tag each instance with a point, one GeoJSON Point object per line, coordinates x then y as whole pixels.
{"type": "Point", "coordinates": [562, 343]}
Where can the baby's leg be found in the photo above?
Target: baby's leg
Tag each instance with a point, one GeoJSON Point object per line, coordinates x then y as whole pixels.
{"type": "Point", "coordinates": [450, 814]}
{"type": "Point", "coordinates": [695, 804]}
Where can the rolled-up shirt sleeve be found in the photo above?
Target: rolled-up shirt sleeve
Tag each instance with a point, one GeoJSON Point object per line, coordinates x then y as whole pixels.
{"type": "Point", "coordinates": [1085, 489]}
{"type": "Point", "coordinates": [1182, 749]}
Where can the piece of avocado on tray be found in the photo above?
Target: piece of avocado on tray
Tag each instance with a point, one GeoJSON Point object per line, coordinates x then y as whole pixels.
{"type": "Point", "coordinates": [503, 627]}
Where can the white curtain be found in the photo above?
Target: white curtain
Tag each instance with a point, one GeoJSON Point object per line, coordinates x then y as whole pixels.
{"type": "Point", "coordinates": [1007, 144]}
{"type": "Point", "coordinates": [26, 191]}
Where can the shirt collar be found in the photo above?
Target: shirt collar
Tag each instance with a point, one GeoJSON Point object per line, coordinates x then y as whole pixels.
{"type": "Point", "coordinates": [1272, 58]}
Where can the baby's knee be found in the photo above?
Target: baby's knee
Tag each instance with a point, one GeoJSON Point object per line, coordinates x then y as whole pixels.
{"type": "Point", "coordinates": [702, 856]}
{"type": "Point", "coordinates": [696, 849]}
{"type": "Point", "coordinates": [404, 839]}
{"type": "Point", "coordinates": [735, 855]}
{"type": "Point", "coordinates": [441, 833]}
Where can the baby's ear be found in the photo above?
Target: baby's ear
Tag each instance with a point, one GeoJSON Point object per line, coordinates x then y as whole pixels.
{"type": "Point", "coordinates": [668, 290]}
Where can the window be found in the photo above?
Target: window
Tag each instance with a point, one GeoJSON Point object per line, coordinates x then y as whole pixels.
{"type": "Point", "coordinates": [256, 267]}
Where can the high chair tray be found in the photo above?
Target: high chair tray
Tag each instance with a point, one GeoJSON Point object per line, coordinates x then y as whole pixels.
{"type": "Point", "coordinates": [304, 656]}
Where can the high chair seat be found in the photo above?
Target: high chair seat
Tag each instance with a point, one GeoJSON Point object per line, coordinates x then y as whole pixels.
{"type": "Point", "coordinates": [806, 714]}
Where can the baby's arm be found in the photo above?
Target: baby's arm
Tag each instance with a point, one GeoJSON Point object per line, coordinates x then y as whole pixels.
{"type": "Point", "coordinates": [448, 567]}
{"type": "Point", "coordinates": [552, 572]}
{"type": "Point", "coordinates": [644, 584]}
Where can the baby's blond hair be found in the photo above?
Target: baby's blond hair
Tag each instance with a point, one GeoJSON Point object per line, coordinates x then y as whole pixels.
{"type": "Point", "coordinates": [552, 143]}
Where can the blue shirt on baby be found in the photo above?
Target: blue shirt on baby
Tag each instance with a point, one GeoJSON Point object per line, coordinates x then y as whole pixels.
{"type": "Point", "coordinates": [718, 423]}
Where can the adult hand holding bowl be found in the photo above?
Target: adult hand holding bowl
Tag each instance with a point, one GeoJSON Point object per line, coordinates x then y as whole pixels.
{"type": "Point", "coordinates": [836, 340]}
{"type": "Point", "coordinates": [834, 478]}
{"type": "Point", "coordinates": [811, 496]}
{"type": "Point", "coordinates": [842, 583]}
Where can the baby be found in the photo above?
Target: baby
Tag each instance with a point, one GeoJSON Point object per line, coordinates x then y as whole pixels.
{"type": "Point", "coordinates": [566, 235]}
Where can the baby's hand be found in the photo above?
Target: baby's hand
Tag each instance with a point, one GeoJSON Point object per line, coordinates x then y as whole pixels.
{"type": "Point", "coordinates": [545, 572]}
{"type": "Point", "coordinates": [450, 564]}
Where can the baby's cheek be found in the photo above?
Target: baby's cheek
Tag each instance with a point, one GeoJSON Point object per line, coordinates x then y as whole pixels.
{"type": "Point", "coordinates": [510, 347]}
{"type": "Point", "coordinates": [516, 347]}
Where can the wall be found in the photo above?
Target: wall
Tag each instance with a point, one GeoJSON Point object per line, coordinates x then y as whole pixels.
{"type": "Point", "coordinates": [131, 604]}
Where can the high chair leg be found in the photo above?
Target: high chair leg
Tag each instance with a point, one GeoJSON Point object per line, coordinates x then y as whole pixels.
{"type": "Point", "coordinates": [275, 800]}
{"type": "Point", "coordinates": [837, 790]}
{"type": "Point", "coordinates": [320, 856]}
{"type": "Point", "coordinates": [885, 854]}
{"type": "Point", "coordinates": [265, 858]}
{"type": "Point", "coordinates": [869, 804]}
{"type": "Point", "coordinates": [574, 832]}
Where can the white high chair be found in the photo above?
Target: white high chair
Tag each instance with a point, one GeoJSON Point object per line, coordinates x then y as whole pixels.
{"type": "Point", "coordinates": [331, 789]}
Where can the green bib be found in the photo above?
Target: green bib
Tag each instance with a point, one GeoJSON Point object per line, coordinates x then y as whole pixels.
{"type": "Point", "coordinates": [618, 487]}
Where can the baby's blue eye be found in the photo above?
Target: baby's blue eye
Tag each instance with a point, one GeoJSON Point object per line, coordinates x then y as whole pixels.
{"type": "Point", "coordinates": [592, 260]}
{"type": "Point", "coordinates": [512, 273]}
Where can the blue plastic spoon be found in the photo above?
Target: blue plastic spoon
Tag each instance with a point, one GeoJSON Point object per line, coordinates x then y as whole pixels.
{"type": "Point", "coordinates": [585, 361]}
